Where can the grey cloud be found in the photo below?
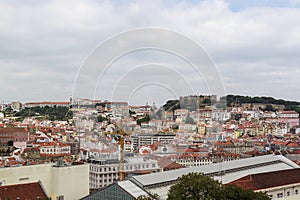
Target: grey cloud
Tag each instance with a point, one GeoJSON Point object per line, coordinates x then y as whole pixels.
{"type": "Point", "coordinates": [43, 44]}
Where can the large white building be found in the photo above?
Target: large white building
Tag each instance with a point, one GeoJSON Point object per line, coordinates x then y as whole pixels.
{"type": "Point", "coordinates": [139, 140]}
{"type": "Point", "coordinates": [160, 183]}
{"type": "Point", "coordinates": [64, 182]}
{"type": "Point", "coordinates": [54, 149]}
{"type": "Point", "coordinates": [105, 172]}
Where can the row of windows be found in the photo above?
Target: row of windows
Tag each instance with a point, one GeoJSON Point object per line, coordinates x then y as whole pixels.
{"type": "Point", "coordinates": [49, 150]}
{"type": "Point", "coordinates": [95, 186]}
{"type": "Point", "coordinates": [98, 183]}
{"type": "Point", "coordinates": [100, 180]}
{"type": "Point", "coordinates": [130, 167]}
{"type": "Point", "coordinates": [195, 164]}
{"type": "Point", "coordinates": [103, 175]}
{"type": "Point", "coordinates": [12, 134]}
{"type": "Point", "coordinates": [192, 160]}
{"type": "Point", "coordinates": [200, 161]}
{"type": "Point", "coordinates": [13, 139]}
{"type": "Point", "coordinates": [280, 195]}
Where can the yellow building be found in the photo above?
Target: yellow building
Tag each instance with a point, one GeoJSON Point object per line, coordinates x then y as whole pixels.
{"type": "Point", "coordinates": [202, 128]}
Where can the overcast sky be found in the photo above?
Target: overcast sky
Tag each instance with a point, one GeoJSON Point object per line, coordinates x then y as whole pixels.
{"type": "Point", "coordinates": [254, 45]}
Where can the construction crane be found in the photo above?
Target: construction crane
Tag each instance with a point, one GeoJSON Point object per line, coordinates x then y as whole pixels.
{"type": "Point", "coordinates": [119, 133]}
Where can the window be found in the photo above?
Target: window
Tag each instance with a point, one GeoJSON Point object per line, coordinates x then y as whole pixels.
{"type": "Point", "coordinates": [288, 193]}
{"type": "Point", "coordinates": [296, 191]}
{"type": "Point", "coordinates": [60, 197]}
{"type": "Point", "coordinates": [280, 195]}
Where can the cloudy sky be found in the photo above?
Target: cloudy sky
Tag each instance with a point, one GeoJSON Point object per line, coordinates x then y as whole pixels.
{"type": "Point", "coordinates": [46, 47]}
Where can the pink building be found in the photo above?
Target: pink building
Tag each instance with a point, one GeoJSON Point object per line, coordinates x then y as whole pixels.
{"type": "Point", "coordinates": [14, 134]}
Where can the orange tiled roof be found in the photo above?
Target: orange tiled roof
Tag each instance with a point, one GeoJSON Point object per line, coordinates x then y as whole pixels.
{"type": "Point", "coordinates": [293, 144]}
{"type": "Point", "coordinates": [22, 191]}
{"type": "Point", "coordinates": [258, 181]}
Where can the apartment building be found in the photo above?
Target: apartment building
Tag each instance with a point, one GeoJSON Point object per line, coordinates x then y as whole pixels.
{"type": "Point", "coordinates": [65, 182]}
{"type": "Point", "coordinates": [14, 134]}
{"type": "Point", "coordinates": [54, 149]}
{"type": "Point", "coordinates": [283, 184]}
{"type": "Point", "coordinates": [139, 140]}
{"type": "Point", "coordinates": [238, 148]}
{"type": "Point", "coordinates": [105, 172]}
{"type": "Point", "coordinates": [289, 117]}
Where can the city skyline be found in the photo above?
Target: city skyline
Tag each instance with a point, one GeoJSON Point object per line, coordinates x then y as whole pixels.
{"type": "Point", "coordinates": [253, 45]}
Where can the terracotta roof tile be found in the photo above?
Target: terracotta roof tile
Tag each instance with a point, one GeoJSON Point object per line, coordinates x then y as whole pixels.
{"type": "Point", "coordinates": [22, 191]}
{"type": "Point", "coordinates": [293, 144]}
{"type": "Point", "coordinates": [168, 164]}
{"type": "Point", "coordinates": [275, 179]}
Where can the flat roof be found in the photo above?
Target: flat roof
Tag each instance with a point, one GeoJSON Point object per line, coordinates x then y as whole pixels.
{"type": "Point", "coordinates": [132, 189]}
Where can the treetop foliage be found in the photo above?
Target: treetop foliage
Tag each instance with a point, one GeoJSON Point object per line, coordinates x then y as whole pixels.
{"type": "Point", "coordinates": [60, 113]}
{"type": "Point", "coordinates": [196, 186]}
{"type": "Point", "coordinates": [263, 100]}
{"type": "Point", "coordinates": [172, 105]}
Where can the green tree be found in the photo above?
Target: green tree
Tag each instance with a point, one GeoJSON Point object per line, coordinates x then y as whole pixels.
{"type": "Point", "coordinates": [151, 197]}
{"type": "Point", "coordinates": [144, 119]}
{"type": "Point", "coordinates": [171, 105]}
{"type": "Point", "coordinates": [196, 186]}
{"type": "Point", "coordinates": [175, 127]}
{"type": "Point", "coordinates": [234, 192]}
{"type": "Point", "coordinates": [10, 143]}
{"type": "Point", "coordinates": [206, 101]}
{"type": "Point", "coordinates": [100, 104]}
{"type": "Point", "coordinates": [51, 113]}
{"type": "Point", "coordinates": [189, 120]}
{"type": "Point", "coordinates": [101, 119]}
{"type": "Point", "coordinates": [269, 107]}
{"type": "Point", "coordinates": [131, 113]}
{"type": "Point", "coordinates": [8, 112]}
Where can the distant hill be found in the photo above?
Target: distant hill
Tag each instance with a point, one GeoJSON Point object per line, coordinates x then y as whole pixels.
{"type": "Point", "coordinates": [50, 113]}
{"type": "Point", "coordinates": [232, 100]}
{"type": "Point", "coordinates": [238, 99]}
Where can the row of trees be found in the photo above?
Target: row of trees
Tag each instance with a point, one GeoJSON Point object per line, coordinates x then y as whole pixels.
{"type": "Point", "coordinates": [196, 186]}
{"type": "Point", "coordinates": [191, 105]}
{"type": "Point", "coordinates": [232, 99]}
{"type": "Point", "coordinates": [52, 113]}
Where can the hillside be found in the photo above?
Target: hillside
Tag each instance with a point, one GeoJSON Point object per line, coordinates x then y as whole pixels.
{"type": "Point", "coordinates": [233, 100]}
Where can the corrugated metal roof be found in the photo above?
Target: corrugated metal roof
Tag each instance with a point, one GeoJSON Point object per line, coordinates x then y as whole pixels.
{"type": "Point", "coordinates": [233, 176]}
{"type": "Point", "coordinates": [230, 168]}
{"type": "Point", "coordinates": [132, 189]}
{"type": "Point", "coordinates": [163, 190]}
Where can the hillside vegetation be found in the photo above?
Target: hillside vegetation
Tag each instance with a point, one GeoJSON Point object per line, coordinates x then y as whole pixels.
{"type": "Point", "coordinates": [231, 100]}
